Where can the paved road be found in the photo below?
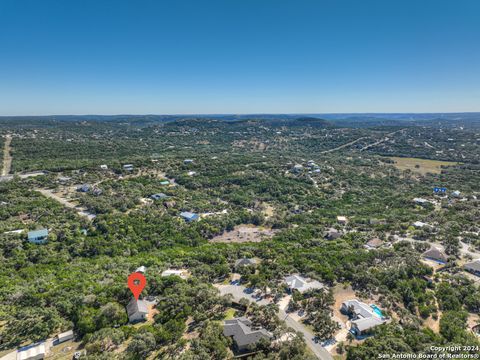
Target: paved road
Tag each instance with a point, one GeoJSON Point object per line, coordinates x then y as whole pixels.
{"type": "Point", "coordinates": [464, 248]}
{"type": "Point", "coordinates": [238, 293]}
{"type": "Point", "coordinates": [386, 138]}
{"type": "Point", "coordinates": [342, 146]}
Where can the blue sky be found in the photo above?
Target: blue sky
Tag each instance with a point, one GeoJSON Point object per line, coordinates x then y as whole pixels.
{"type": "Point", "coordinates": [238, 56]}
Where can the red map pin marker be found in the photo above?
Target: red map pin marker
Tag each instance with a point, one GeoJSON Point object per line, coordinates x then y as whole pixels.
{"type": "Point", "coordinates": [136, 283]}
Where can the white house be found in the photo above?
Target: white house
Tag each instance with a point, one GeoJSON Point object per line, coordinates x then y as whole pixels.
{"type": "Point", "coordinates": [301, 284]}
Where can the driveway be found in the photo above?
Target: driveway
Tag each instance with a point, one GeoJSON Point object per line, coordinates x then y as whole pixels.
{"type": "Point", "coordinates": [238, 293]}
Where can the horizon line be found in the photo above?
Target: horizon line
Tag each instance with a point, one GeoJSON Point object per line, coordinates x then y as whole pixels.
{"type": "Point", "coordinates": [253, 114]}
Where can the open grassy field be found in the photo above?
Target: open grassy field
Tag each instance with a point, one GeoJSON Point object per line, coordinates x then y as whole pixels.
{"type": "Point", "coordinates": [421, 166]}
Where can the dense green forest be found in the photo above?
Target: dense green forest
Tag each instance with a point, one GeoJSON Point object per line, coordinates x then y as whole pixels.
{"type": "Point", "coordinates": [243, 174]}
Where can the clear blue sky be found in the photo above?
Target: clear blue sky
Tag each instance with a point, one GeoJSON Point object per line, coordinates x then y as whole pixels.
{"type": "Point", "coordinates": [238, 56]}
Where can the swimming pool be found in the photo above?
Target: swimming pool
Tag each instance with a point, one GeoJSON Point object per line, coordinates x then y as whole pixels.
{"type": "Point", "coordinates": [377, 310]}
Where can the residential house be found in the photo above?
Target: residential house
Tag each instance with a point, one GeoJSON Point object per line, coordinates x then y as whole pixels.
{"type": "Point", "coordinates": [245, 262]}
{"type": "Point", "coordinates": [174, 272]}
{"type": "Point", "coordinates": [83, 188]}
{"type": "Point", "coordinates": [137, 310]}
{"type": "Point", "coordinates": [374, 243]}
{"type": "Point", "coordinates": [420, 225]}
{"type": "Point", "coordinates": [301, 284]}
{"type": "Point", "coordinates": [158, 196]}
{"type": "Point", "coordinates": [333, 234]}
{"type": "Point", "coordinates": [244, 336]}
{"type": "Point", "coordinates": [188, 216]}
{"type": "Point", "coordinates": [420, 201]}
{"type": "Point", "coordinates": [436, 255]}
{"type": "Point", "coordinates": [35, 351]}
{"type": "Point", "coordinates": [363, 317]}
{"type": "Point", "coordinates": [473, 267]}
{"type": "Point", "coordinates": [38, 236]}
{"type": "Point", "coordinates": [297, 168]}
{"type": "Point", "coordinates": [456, 193]}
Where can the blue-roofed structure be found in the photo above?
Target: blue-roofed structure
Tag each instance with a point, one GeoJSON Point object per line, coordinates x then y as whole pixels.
{"type": "Point", "coordinates": [38, 236]}
{"type": "Point", "coordinates": [188, 216]}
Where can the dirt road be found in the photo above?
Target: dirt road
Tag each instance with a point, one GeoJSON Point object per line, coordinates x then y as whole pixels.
{"type": "Point", "coordinates": [7, 157]}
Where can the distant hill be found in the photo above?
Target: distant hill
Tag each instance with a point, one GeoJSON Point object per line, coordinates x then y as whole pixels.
{"type": "Point", "coordinates": [311, 121]}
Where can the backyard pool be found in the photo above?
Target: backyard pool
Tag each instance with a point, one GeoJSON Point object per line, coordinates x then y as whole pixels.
{"type": "Point", "coordinates": [377, 310]}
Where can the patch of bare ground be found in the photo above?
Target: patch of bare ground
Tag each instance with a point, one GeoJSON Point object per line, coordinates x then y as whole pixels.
{"type": "Point", "coordinates": [244, 233]}
{"type": "Point", "coordinates": [342, 293]}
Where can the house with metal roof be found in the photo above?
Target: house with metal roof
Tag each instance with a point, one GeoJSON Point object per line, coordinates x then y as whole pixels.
{"type": "Point", "coordinates": [189, 216]}
{"type": "Point", "coordinates": [38, 236]}
{"type": "Point", "coordinates": [301, 284]}
{"type": "Point", "coordinates": [243, 334]}
{"type": "Point", "coordinates": [137, 310]}
{"type": "Point", "coordinates": [473, 267]}
{"type": "Point", "coordinates": [363, 317]}
{"type": "Point", "coordinates": [35, 351]}
{"type": "Point", "coordinates": [436, 255]}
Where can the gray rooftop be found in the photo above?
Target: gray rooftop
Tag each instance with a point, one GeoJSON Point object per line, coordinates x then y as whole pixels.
{"type": "Point", "coordinates": [435, 254]}
{"type": "Point", "coordinates": [136, 306]}
{"type": "Point", "coordinates": [473, 266]}
{"type": "Point", "coordinates": [246, 262]}
{"type": "Point", "coordinates": [243, 334]}
{"type": "Point", "coordinates": [302, 284]}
